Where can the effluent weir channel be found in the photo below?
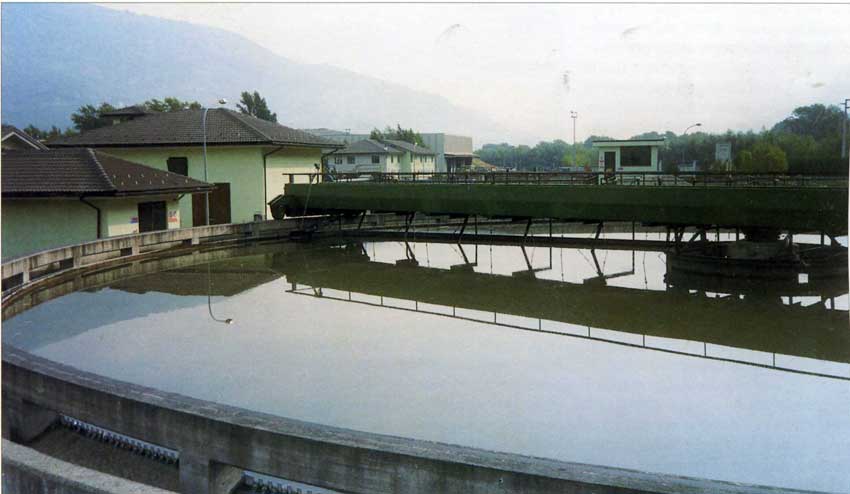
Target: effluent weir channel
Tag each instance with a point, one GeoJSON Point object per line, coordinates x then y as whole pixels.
{"type": "Point", "coordinates": [439, 353]}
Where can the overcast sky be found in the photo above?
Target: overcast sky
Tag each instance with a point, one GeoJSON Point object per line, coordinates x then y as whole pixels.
{"type": "Point", "coordinates": [624, 68]}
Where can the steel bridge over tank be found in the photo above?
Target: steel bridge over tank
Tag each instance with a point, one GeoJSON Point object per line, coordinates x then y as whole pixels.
{"type": "Point", "coordinates": [789, 203]}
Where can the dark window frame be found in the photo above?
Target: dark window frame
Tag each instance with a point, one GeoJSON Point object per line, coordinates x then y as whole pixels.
{"type": "Point", "coordinates": [178, 165]}
{"type": "Point", "coordinates": [350, 159]}
{"type": "Point", "coordinates": [636, 156]}
{"type": "Point", "coordinates": [376, 159]}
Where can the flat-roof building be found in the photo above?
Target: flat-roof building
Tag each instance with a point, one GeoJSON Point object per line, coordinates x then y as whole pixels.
{"type": "Point", "coordinates": [633, 155]}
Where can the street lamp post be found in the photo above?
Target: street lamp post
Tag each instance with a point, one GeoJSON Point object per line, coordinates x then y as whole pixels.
{"type": "Point", "coordinates": [683, 136]}
{"type": "Point", "coordinates": [574, 116]}
{"type": "Point", "coordinates": [207, 193]}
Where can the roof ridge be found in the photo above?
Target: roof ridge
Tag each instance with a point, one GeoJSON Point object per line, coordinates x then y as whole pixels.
{"type": "Point", "coordinates": [100, 167]}
{"type": "Point", "coordinates": [238, 117]}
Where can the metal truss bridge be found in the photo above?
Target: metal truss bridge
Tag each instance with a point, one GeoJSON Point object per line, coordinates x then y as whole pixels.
{"type": "Point", "coordinates": [789, 203]}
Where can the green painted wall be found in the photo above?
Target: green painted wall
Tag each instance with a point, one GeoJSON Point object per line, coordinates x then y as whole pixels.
{"type": "Point", "coordinates": [241, 166]}
{"type": "Point", "coordinates": [120, 216]}
{"type": "Point", "coordinates": [284, 162]}
{"type": "Point", "coordinates": [31, 225]}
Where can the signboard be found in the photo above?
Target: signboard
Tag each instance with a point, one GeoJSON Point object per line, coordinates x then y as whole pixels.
{"type": "Point", "coordinates": [723, 152]}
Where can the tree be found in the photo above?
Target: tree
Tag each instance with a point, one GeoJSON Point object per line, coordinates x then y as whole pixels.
{"type": "Point", "coordinates": [744, 162]}
{"type": "Point", "coordinates": [397, 134]}
{"type": "Point", "coordinates": [255, 105]}
{"type": "Point", "coordinates": [43, 135]}
{"type": "Point", "coordinates": [769, 158]}
{"type": "Point", "coordinates": [87, 117]}
{"type": "Point", "coordinates": [170, 104]}
{"type": "Point", "coordinates": [818, 121]}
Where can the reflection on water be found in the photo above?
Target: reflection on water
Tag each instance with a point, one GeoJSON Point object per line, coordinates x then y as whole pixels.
{"type": "Point", "coordinates": [587, 356]}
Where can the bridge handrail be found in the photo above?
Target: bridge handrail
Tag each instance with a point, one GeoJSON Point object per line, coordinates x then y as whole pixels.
{"type": "Point", "coordinates": [636, 178]}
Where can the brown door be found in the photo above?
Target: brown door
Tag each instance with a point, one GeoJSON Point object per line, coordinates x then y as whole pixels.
{"type": "Point", "coordinates": [219, 206]}
{"type": "Point", "coordinates": [610, 161]}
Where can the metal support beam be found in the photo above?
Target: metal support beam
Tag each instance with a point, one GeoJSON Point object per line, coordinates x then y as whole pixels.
{"type": "Point", "coordinates": [598, 231]}
{"type": "Point", "coordinates": [527, 229]}
{"type": "Point", "coordinates": [462, 227]}
{"type": "Point", "coordinates": [408, 220]}
{"type": "Point", "coordinates": [362, 217]}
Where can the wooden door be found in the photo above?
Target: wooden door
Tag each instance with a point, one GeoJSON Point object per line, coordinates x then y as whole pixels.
{"type": "Point", "coordinates": [219, 206]}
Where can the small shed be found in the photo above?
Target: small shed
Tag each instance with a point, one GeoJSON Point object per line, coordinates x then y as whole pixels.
{"type": "Point", "coordinates": [633, 155]}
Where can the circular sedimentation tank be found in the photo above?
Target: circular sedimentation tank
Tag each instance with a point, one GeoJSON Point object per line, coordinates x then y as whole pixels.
{"type": "Point", "coordinates": [373, 365]}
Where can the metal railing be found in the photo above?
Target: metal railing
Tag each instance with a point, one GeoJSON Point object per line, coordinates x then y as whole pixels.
{"type": "Point", "coordinates": [698, 179]}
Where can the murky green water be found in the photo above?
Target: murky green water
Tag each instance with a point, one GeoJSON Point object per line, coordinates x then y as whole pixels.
{"type": "Point", "coordinates": [586, 356]}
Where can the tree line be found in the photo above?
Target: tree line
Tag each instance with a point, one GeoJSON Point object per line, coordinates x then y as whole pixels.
{"type": "Point", "coordinates": [807, 141]}
{"type": "Point", "coordinates": [88, 117]}
{"type": "Point", "coordinates": [397, 134]}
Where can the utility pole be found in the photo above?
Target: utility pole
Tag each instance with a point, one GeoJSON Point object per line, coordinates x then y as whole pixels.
{"type": "Point", "coordinates": [844, 129]}
{"type": "Point", "coordinates": [574, 116]}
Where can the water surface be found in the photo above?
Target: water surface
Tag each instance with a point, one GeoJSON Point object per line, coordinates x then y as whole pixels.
{"type": "Point", "coordinates": [579, 355]}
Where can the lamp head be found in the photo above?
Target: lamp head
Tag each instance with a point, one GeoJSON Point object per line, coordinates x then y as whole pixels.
{"type": "Point", "coordinates": [222, 101]}
{"type": "Point", "coordinates": [228, 321]}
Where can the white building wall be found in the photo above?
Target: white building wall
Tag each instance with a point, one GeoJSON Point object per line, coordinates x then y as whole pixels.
{"type": "Point", "coordinates": [363, 163]}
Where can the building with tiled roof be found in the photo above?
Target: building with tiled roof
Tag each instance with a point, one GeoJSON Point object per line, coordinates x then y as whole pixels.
{"type": "Point", "coordinates": [382, 155]}
{"type": "Point", "coordinates": [14, 138]}
{"type": "Point", "coordinates": [452, 152]}
{"type": "Point", "coordinates": [248, 159]}
{"type": "Point", "coordinates": [59, 197]}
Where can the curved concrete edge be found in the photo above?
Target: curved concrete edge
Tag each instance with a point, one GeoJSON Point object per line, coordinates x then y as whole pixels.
{"type": "Point", "coordinates": [27, 471]}
{"type": "Point", "coordinates": [304, 451]}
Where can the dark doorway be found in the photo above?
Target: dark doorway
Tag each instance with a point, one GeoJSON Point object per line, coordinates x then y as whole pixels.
{"type": "Point", "coordinates": [219, 206]}
{"type": "Point", "coordinates": [610, 161]}
{"type": "Point", "coordinates": [152, 216]}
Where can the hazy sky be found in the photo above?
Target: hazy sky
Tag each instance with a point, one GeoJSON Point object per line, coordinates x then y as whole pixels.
{"type": "Point", "coordinates": [624, 68]}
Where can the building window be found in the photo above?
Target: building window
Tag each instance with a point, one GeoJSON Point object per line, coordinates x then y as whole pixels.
{"type": "Point", "coordinates": [376, 159]}
{"type": "Point", "coordinates": [349, 160]}
{"type": "Point", "coordinates": [179, 166]}
{"type": "Point", "coordinates": [338, 160]}
{"type": "Point", "coordinates": [636, 156]}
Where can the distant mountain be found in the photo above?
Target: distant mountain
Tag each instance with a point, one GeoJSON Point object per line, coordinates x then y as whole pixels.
{"type": "Point", "coordinates": [57, 57]}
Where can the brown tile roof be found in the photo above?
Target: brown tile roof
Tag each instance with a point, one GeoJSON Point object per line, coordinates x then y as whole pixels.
{"type": "Point", "coordinates": [368, 146]}
{"type": "Point", "coordinates": [183, 128]}
{"type": "Point", "coordinates": [77, 172]}
{"type": "Point", "coordinates": [412, 148]}
{"type": "Point", "coordinates": [20, 134]}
